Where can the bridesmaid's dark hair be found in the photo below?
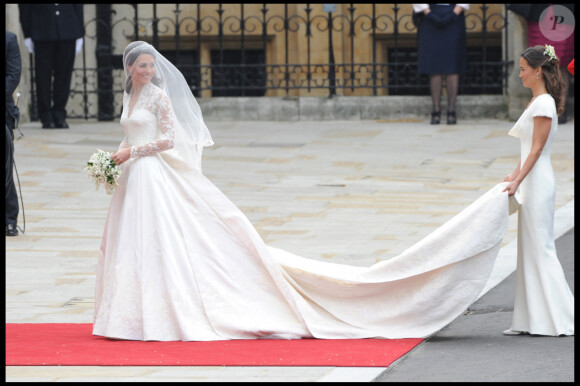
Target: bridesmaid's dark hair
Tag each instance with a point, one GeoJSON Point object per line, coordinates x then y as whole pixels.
{"type": "Point", "coordinates": [132, 56]}
{"type": "Point", "coordinates": [550, 71]}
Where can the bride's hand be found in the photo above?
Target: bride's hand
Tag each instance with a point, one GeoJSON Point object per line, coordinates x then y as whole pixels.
{"type": "Point", "coordinates": [121, 156]}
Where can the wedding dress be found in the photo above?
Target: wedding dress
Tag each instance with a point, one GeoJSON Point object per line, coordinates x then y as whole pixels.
{"type": "Point", "coordinates": [543, 303]}
{"type": "Point", "coordinates": [179, 261]}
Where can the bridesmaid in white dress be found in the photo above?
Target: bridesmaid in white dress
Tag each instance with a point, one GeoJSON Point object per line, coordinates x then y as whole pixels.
{"type": "Point", "coordinates": [544, 304]}
{"type": "Point", "coordinates": [179, 261]}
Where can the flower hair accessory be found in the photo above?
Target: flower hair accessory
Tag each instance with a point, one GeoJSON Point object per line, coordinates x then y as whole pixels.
{"type": "Point", "coordinates": [550, 52]}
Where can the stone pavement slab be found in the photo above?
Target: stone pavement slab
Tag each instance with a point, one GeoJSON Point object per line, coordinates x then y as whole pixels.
{"type": "Point", "coordinates": [341, 191]}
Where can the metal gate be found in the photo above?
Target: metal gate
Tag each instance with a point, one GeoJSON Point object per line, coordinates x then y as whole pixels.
{"type": "Point", "coordinates": [96, 92]}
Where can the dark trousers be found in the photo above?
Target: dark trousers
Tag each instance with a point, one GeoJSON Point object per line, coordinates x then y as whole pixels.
{"type": "Point", "coordinates": [53, 58]}
{"type": "Point", "coordinates": [11, 197]}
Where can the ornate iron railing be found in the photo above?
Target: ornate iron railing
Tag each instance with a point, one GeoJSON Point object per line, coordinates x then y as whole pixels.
{"type": "Point", "coordinates": [250, 68]}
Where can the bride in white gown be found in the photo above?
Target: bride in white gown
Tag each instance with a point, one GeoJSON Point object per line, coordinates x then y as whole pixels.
{"type": "Point", "coordinates": [179, 261]}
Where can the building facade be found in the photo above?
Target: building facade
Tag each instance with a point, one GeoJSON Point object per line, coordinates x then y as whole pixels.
{"type": "Point", "coordinates": [282, 51]}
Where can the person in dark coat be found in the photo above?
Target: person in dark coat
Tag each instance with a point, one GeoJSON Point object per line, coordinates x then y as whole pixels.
{"type": "Point", "coordinates": [442, 52]}
{"type": "Point", "coordinates": [54, 34]}
{"type": "Point", "coordinates": [13, 71]}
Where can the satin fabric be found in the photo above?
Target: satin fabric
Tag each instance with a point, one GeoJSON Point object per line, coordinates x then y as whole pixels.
{"type": "Point", "coordinates": [543, 303]}
{"type": "Point", "coordinates": [179, 261]}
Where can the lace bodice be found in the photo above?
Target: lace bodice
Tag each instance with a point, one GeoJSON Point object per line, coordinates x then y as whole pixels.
{"type": "Point", "coordinates": [543, 106]}
{"type": "Point", "coordinates": [150, 126]}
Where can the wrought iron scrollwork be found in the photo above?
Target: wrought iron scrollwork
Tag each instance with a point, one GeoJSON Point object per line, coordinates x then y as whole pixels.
{"type": "Point", "coordinates": [260, 72]}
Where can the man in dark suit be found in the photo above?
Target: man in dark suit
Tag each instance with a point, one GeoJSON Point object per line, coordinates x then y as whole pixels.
{"type": "Point", "coordinates": [13, 71]}
{"type": "Point", "coordinates": [54, 33]}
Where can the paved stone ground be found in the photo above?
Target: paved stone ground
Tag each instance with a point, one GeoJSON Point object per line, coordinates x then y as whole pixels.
{"type": "Point", "coordinates": [473, 349]}
{"type": "Point", "coordinates": [353, 192]}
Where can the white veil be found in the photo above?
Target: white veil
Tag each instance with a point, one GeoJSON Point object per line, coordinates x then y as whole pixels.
{"type": "Point", "coordinates": [191, 133]}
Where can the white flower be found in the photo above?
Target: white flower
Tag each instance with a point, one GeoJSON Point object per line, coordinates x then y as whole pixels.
{"type": "Point", "coordinates": [549, 51]}
{"type": "Point", "coordinates": [103, 170]}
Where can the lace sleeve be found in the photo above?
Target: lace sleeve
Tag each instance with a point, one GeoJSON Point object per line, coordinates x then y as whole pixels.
{"type": "Point", "coordinates": [166, 121]}
{"type": "Point", "coordinates": [124, 144]}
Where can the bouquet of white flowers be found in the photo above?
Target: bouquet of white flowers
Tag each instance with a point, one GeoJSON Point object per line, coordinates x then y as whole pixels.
{"type": "Point", "coordinates": [103, 170]}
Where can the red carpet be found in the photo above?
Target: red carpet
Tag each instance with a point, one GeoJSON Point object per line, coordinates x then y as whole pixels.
{"type": "Point", "coordinates": [63, 344]}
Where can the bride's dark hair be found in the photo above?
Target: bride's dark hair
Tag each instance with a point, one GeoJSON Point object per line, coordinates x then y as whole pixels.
{"type": "Point", "coordinates": [130, 56]}
{"type": "Point", "coordinates": [550, 71]}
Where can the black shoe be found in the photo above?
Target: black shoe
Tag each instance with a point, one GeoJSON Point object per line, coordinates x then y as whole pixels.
{"type": "Point", "coordinates": [61, 125]}
{"type": "Point", "coordinates": [48, 125]}
{"type": "Point", "coordinates": [451, 119]}
{"type": "Point", "coordinates": [11, 230]}
{"type": "Point", "coordinates": [435, 117]}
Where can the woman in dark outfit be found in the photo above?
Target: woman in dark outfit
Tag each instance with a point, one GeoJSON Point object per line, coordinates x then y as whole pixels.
{"type": "Point", "coordinates": [442, 51]}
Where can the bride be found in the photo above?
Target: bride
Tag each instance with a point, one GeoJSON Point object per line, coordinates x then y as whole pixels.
{"type": "Point", "coordinates": [179, 261]}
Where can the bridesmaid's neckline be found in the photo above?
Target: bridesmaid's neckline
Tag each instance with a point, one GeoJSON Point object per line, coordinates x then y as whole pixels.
{"type": "Point", "coordinates": [534, 98]}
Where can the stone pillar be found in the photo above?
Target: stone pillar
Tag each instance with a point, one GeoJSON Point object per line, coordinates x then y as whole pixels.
{"type": "Point", "coordinates": [518, 95]}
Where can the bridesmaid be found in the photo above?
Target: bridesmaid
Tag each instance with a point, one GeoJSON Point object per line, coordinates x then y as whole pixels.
{"type": "Point", "coordinates": [544, 304]}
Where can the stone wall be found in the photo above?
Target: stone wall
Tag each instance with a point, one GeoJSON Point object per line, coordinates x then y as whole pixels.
{"type": "Point", "coordinates": [507, 106]}
{"type": "Point", "coordinates": [348, 108]}
{"type": "Point", "coordinates": [519, 96]}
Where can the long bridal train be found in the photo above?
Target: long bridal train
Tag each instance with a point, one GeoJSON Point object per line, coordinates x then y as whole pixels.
{"type": "Point", "coordinates": [179, 261]}
{"type": "Point", "coordinates": [416, 293]}
{"type": "Point", "coordinates": [194, 268]}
